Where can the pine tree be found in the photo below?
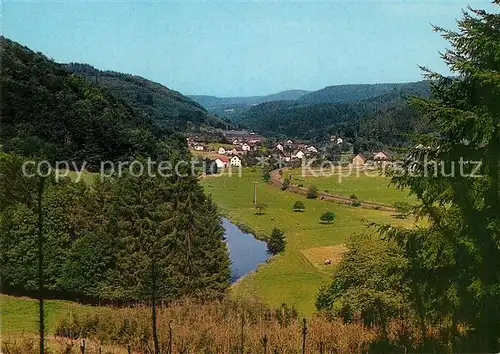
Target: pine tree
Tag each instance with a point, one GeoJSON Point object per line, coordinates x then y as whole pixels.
{"type": "Point", "coordinates": [276, 242]}
{"type": "Point", "coordinates": [454, 264]}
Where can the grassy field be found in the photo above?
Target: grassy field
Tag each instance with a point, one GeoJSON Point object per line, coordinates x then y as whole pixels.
{"type": "Point", "coordinates": [368, 186]}
{"type": "Point", "coordinates": [19, 314]}
{"type": "Point", "coordinates": [295, 276]}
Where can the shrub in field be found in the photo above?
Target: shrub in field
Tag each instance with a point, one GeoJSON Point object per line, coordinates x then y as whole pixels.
{"type": "Point", "coordinates": [266, 176]}
{"type": "Point", "coordinates": [286, 184]}
{"type": "Point", "coordinates": [353, 196]}
{"type": "Point", "coordinates": [327, 217]}
{"type": "Point", "coordinates": [299, 206]}
{"type": "Point", "coordinates": [312, 192]}
{"type": "Point", "coordinates": [260, 207]}
{"type": "Point", "coordinates": [356, 203]}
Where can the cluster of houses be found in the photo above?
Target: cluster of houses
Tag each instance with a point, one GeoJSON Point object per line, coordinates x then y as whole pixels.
{"type": "Point", "coordinates": [242, 142]}
{"type": "Point", "coordinates": [379, 157]}
{"type": "Point", "coordinates": [290, 150]}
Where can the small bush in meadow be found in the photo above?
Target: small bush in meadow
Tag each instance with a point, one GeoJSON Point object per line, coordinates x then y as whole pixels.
{"type": "Point", "coordinates": [312, 192]}
{"type": "Point", "coordinates": [298, 206]}
{"type": "Point", "coordinates": [327, 217]}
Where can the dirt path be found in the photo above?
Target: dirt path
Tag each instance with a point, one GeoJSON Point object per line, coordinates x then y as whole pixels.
{"type": "Point", "coordinates": [277, 181]}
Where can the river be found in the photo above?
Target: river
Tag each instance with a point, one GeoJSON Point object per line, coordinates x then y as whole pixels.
{"type": "Point", "coordinates": [245, 251]}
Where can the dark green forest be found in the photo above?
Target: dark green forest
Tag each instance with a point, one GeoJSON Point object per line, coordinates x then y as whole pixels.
{"type": "Point", "coordinates": [125, 238]}
{"type": "Point", "coordinates": [386, 117]}
{"type": "Point", "coordinates": [351, 93]}
{"type": "Point", "coordinates": [100, 240]}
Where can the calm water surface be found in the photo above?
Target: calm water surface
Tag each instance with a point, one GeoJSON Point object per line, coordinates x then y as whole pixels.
{"type": "Point", "coordinates": [245, 251]}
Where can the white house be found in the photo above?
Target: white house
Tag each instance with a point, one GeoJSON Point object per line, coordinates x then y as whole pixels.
{"type": "Point", "coordinates": [340, 141]}
{"type": "Point", "coordinates": [279, 147]}
{"type": "Point", "coordinates": [312, 149]}
{"type": "Point", "coordinates": [236, 142]}
{"type": "Point", "coordinates": [245, 147]}
{"type": "Point", "coordinates": [199, 148]}
{"type": "Point", "coordinates": [235, 161]}
{"type": "Point", "coordinates": [299, 155]}
{"type": "Point", "coordinates": [221, 162]}
{"type": "Point", "coordinates": [289, 142]}
{"type": "Point", "coordinates": [221, 151]}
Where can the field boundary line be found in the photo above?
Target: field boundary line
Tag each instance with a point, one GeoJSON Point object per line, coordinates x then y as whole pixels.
{"type": "Point", "coordinates": [276, 180]}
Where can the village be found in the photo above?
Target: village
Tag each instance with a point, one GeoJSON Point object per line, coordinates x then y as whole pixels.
{"type": "Point", "coordinates": [242, 148]}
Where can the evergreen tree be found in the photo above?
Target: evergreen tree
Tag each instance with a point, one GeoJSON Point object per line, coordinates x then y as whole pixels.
{"type": "Point", "coordinates": [276, 242]}
{"type": "Point", "coordinates": [453, 265]}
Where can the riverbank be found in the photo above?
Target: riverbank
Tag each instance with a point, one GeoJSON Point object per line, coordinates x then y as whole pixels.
{"type": "Point", "coordinates": [295, 276]}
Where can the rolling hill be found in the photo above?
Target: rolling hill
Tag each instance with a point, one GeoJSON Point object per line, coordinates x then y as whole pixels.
{"type": "Point", "coordinates": [213, 102]}
{"type": "Point", "coordinates": [169, 108]}
{"type": "Point", "coordinates": [350, 93]}
{"type": "Point", "coordinates": [298, 119]}
{"type": "Point", "coordinates": [48, 112]}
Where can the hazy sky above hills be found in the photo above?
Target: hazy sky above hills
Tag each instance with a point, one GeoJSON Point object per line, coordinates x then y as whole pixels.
{"type": "Point", "coordinates": [240, 48]}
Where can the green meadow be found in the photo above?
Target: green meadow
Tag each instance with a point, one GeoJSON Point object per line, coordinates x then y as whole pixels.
{"type": "Point", "coordinates": [295, 276]}
{"type": "Point", "coordinates": [20, 314]}
{"type": "Point", "coordinates": [368, 186]}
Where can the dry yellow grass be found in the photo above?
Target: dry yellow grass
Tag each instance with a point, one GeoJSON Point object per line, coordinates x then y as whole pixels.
{"type": "Point", "coordinates": [318, 255]}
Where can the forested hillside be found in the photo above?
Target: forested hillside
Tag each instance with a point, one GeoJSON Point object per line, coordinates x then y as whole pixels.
{"type": "Point", "coordinates": [167, 107]}
{"type": "Point", "coordinates": [47, 111]}
{"type": "Point", "coordinates": [135, 236]}
{"type": "Point", "coordinates": [318, 121]}
{"type": "Point", "coordinates": [350, 93]}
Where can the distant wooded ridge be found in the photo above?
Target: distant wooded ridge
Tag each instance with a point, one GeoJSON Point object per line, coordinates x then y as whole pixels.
{"type": "Point", "coordinates": [329, 94]}
{"type": "Point", "coordinates": [377, 112]}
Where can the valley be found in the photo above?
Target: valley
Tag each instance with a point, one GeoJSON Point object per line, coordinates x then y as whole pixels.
{"type": "Point", "coordinates": [295, 276]}
{"type": "Point", "coordinates": [324, 213]}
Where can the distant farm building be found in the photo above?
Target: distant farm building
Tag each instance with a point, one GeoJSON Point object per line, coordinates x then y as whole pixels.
{"type": "Point", "coordinates": [221, 150]}
{"type": "Point", "coordinates": [312, 149]}
{"type": "Point", "coordinates": [359, 160]}
{"type": "Point", "coordinates": [381, 156]}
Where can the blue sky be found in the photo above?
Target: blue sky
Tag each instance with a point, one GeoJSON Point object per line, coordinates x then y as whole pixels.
{"type": "Point", "coordinates": [240, 48]}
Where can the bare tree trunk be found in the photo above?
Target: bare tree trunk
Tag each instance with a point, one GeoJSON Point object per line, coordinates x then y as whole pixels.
{"type": "Point", "coordinates": [41, 313]}
{"type": "Point", "coordinates": [304, 334]}
{"type": "Point", "coordinates": [153, 305]}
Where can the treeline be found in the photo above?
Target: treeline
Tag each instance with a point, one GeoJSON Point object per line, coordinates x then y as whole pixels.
{"type": "Point", "coordinates": [103, 241]}
{"type": "Point", "coordinates": [442, 277]}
